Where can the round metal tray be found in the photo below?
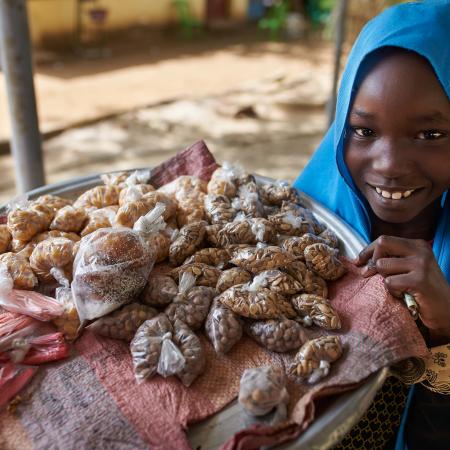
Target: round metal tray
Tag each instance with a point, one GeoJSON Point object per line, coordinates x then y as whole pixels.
{"type": "Point", "coordinates": [337, 418]}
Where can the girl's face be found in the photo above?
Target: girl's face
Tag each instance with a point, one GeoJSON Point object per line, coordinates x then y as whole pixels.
{"type": "Point", "coordinates": [398, 139]}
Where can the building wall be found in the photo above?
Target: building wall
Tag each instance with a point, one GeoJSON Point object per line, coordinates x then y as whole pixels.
{"type": "Point", "coordinates": [56, 19]}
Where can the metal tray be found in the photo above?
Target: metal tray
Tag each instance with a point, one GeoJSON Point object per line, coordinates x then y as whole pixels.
{"type": "Point", "coordinates": [336, 419]}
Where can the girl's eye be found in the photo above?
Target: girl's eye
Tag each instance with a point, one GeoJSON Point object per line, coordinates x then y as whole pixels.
{"type": "Point", "coordinates": [430, 135]}
{"type": "Point", "coordinates": [363, 132]}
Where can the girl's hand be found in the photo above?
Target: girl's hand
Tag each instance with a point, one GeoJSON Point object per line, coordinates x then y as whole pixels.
{"type": "Point", "coordinates": [409, 265]}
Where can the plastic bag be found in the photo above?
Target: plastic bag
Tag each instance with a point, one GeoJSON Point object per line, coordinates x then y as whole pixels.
{"type": "Point", "coordinates": [29, 303]}
{"type": "Point", "coordinates": [276, 281]}
{"type": "Point", "coordinates": [25, 340]}
{"type": "Point", "coordinates": [192, 303]}
{"type": "Point", "coordinates": [25, 222]}
{"type": "Point", "coordinates": [99, 218]}
{"type": "Point", "coordinates": [223, 328]}
{"type": "Point", "coordinates": [5, 238]}
{"type": "Point", "coordinates": [152, 228]}
{"type": "Point", "coordinates": [69, 322]}
{"type": "Point", "coordinates": [140, 176]}
{"type": "Point", "coordinates": [289, 224]}
{"type": "Point", "coordinates": [123, 323]}
{"type": "Point", "coordinates": [313, 360]}
{"type": "Point", "coordinates": [160, 290]}
{"type": "Point", "coordinates": [111, 269]}
{"type": "Point", "coordinates": [262, 389]}
{"type": "Point", "coordinates": [191, 348]}
{"type": "Point", "coordinates": [260, 304]}
{"type": "Point", "coordinates": [134, 192]}
{"type": "Point", "coordinates": [257, 259]}
{"type": "Point", "coordinates": [250, 202]}
{"type": "Point", "coordinates": [19, 269]}
{"type": "Point", "coordinates": [147, 349]}
{"type": "Point", "coordinates": [98, 197]}
{"type": "Point", "coordinates": [276, 193]}
{"type": "Point", "coordinates": [115, 178]}
{"type": "Point", "coordinates": [55, 253]}
{"type": "Point", "coordinates": [69, 219]}
{"type": "Point", "coordinates": [246, 231]}
{"type": "Point", "coordinates": [317, 310]}
{"type": "Point", "coordinates": [187, 242]}
{"type": "Point", "coordinates": [280, 336]}
{"type": "Point", "coordinates": [13, 378]}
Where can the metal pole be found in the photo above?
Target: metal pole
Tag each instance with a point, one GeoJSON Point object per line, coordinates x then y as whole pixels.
{"type": "Point", "coordinates": [16, 65]}
{"type": "Point", "coordinates": [339, 41]}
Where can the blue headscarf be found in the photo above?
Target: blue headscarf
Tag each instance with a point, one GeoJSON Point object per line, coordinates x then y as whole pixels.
{"type": "Point", "coordinates": [421, 27]}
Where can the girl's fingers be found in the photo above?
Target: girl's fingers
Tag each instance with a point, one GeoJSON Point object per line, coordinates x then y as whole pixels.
{"type": "Point", "coordinates": [393, 266]}
{"type": "Point", "coordinates": [386, 246]}
{"type": "Point", "coordinates": [398, 284]}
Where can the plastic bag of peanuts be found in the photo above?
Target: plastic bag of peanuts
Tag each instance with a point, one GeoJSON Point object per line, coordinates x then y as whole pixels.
{"type": "Point", "coordinates": [223, 328]}
{"type": "Point", "coordinates": [166, 348]}
{"type": "Point", "coordinates": [263, 389]}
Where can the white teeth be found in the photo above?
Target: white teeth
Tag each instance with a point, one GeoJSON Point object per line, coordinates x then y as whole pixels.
{"type": "Point", "coordinates": [394, 195]}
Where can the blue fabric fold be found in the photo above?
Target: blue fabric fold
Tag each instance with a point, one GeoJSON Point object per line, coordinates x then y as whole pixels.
{"type": "Point", "coordinates": [421, 27]}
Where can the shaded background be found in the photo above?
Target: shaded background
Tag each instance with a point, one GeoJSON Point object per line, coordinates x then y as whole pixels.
{"type": "Point", "coordinates": [128, 84]}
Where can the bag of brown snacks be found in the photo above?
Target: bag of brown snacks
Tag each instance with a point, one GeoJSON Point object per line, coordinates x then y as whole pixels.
{"type": "Point", "coordinates": [278, 192]}
{"type": "Point", "coordinates": [5, 238]}
{"type": "Point", "coordinates": [259, 304]}
{"type": "Point", "coordinates": [153, 349]}
{"type": "Point", "coordinates": [191, 348]}
{"type": "Point", "coordinates": [167, 349]}
{"type": "Point", "coordinates": [204, 275]}
{"type": "Point", "coordinates": [313, 360]}
{"type": "Point", "coordinates": [191, 305]}
{"type": "Point", "coordinates": [323, 260]}
{"type": "Point", "coordinates": [98, 197]}
{"type": "Point", "coordinates": [288, 224]}
{"type": "Point", "coordinates": [111, 269]}
{"type": "Point", "coordinates": [231, 277]}
{"type": "Point", "coordinates": [52, 253]}
{"type": "Point", "coordinates": [223, 328]}
{"type": "Point", "coordinates": [262, 389]}
{"type": "Point", "coordinates": [69, 218]}
{"type": "Point", "coordinates": [123, 323]}
{"type": "Point", "coordinates": [257, 259]}
{"type": "Point", "coordinates": [282, 335]}
{"type": "Point", "coordinates": [160, 290]}
{"type": "Point", "coordinates": [187, 242]}
{"type": "Point", "coordinates": [153, 230]}
{"type": "Point", "coordinates": [246, 231]}
{"type": "Point", "coordinates": [276, 281]}
{"type": "Point", "coordinates": [218, 209]}
{"type": "Point", "coordinates": [317, 310]}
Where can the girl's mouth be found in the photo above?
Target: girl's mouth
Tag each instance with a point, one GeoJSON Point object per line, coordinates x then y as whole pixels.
{"type": "Point", "coordinates": [394, 193]}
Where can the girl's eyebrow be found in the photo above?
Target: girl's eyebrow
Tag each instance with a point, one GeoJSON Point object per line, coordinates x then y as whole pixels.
{"type": "Point", "coordinates": [361, 113]}
{"type": "Point", "coordinates": [433, 117]}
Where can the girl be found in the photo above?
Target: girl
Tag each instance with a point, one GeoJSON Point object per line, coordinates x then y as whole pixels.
{"type": "Point", "coordinates": [384, 167]}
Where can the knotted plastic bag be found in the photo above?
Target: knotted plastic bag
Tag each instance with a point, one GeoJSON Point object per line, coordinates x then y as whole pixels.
{"type": "Point", "coordinates": [111, 269]}
{"type": "Point", "coordinates": [262, 389]}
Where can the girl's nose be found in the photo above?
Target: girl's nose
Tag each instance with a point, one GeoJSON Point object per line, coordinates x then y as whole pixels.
{"type": "Point", "coordinates": [390, 159]}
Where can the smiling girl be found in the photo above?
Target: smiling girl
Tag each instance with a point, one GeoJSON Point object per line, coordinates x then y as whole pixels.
{"type": "Point", "coordinates": [384, 167]}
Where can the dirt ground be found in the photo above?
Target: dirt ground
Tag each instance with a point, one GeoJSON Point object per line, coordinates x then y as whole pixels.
{"type": "Point", "coordinates": [257, 102]}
